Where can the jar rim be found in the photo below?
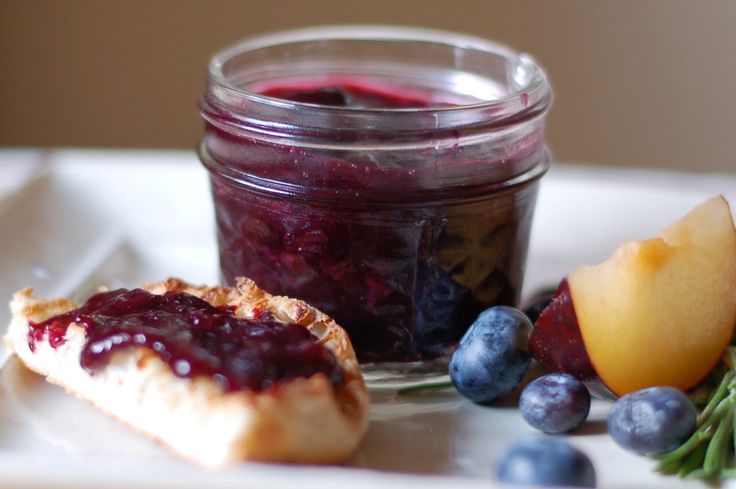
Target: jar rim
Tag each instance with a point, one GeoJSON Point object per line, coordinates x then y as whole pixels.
{"type": "Point", "coordinates": [507, 123]}
{"type": "Point", "coordinates": [535, 90]}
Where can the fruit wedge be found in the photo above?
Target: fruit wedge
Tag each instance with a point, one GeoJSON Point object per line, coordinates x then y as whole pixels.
{"type": "Point", "coordinates": [657, 312]}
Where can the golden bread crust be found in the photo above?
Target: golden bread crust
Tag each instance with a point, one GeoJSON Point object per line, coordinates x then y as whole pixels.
{"type": "Point", "coordinates": [305, 420]}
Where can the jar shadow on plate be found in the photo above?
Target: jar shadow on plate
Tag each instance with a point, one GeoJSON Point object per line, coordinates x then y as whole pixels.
{"type": "Point", "coordinates": [409, 433]}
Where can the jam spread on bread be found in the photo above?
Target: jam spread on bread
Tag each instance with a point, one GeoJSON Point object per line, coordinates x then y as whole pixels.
{"type": "Point", "coordinates": [194, 338]}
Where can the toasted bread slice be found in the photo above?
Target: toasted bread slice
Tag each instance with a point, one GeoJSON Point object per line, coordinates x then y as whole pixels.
{"type": "Point", "coordinates": [304, 420]}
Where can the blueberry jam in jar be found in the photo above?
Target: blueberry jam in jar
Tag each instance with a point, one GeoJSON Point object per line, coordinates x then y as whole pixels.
{"type": "Point", "coordinates": [387, 176]}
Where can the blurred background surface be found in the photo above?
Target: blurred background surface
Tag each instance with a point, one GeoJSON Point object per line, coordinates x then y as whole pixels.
{"type": "Point", "coordinates": [637, 83]}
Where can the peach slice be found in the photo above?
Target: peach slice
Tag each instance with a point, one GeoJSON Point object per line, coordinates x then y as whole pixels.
{"type": "Point", "coordinates": [657, 312]}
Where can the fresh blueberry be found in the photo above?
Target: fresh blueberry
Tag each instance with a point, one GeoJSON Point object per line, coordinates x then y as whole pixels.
{"type": "Point", "coordinates": [491, 359]}
{"type": "Point", "coordinates": [555, 403]}
{"type": "Point", "coordinates": [652, 421]}
{"type": "Point", "coordinates": [545, 461]}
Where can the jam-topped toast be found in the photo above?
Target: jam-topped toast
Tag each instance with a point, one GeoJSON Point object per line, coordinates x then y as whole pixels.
{"type": "Point", "coordinates": [216, 373]}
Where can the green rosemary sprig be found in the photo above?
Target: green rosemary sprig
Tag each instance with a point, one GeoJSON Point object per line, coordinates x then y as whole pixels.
{"type": "Point", "coordinates": [709, 452]}
{"type": "Point", "coordinates": [425, 387]}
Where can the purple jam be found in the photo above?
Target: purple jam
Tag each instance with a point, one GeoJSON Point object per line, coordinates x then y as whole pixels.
{"type": "Point", "coordinates": [349, 94]}
{"type": "Point", "coordinates": [382, 241]}
{"type": "Point", "coordinates": [193, 337]}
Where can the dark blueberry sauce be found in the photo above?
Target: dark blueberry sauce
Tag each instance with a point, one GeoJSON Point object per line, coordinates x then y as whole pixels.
{"type": "Point", "coordinates": [350, 95]}
{"type": "Point", "coordinates": [193, 337]}
{"type": "Point", "coordinates": [379, 240]}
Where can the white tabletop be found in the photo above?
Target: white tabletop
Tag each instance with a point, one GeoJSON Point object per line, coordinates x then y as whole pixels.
{"type": "Point", "coordinates": [71, 220]}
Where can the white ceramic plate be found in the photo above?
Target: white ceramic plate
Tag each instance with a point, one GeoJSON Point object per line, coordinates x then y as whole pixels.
{"type": "Point", "coordinates": [116, 218]}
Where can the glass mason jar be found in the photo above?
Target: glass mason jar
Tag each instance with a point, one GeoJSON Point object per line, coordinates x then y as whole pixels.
{"type": "Point", "coordinates": [385, 175]}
